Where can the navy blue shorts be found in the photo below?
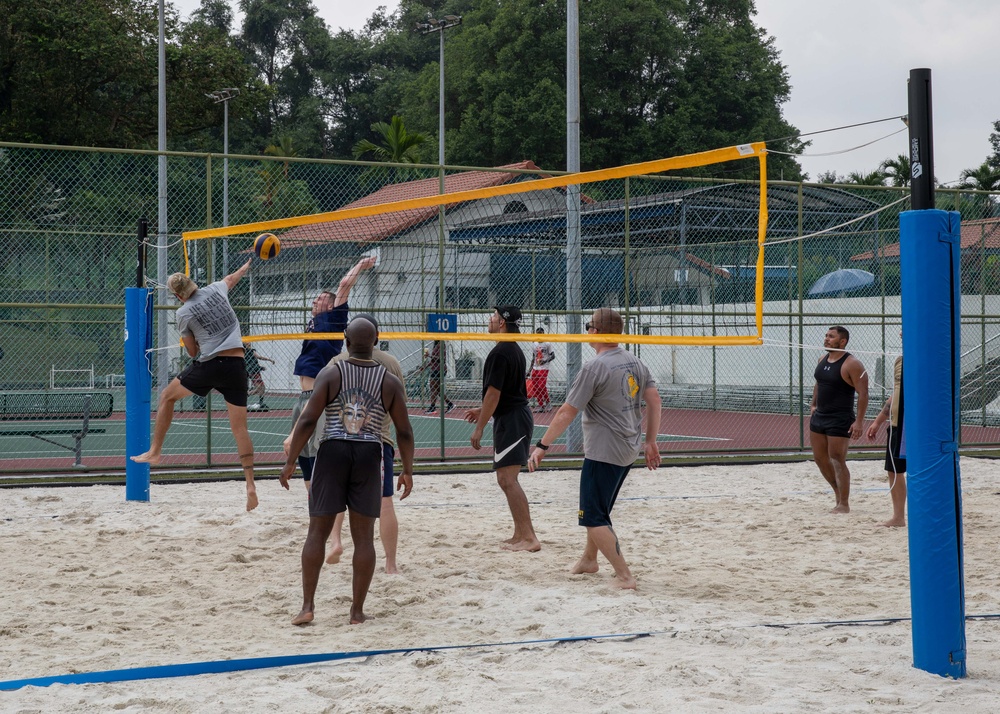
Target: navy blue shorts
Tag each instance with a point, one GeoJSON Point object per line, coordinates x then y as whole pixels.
{"type": "Point", "coordinates": [347, 474]}
{"type": "Point", "coordinates": [388, 454]}
{"type": "Point", "coordinates": [512, 434]}
{"type": "Point", "coordinates": [228, 375]}
{"type": "Point", "coordinates": [600, 483]}
{"type": "Point", "coordinates": [895, 462]}
{"type": "Point", "coordinates": [832, 424]}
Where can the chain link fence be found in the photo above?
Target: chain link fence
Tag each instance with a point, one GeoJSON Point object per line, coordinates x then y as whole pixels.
{"type": "Point", "coordinates": [674, 256]}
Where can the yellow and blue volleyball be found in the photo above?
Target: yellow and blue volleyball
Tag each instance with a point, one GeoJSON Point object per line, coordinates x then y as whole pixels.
{"type": "Point", "coordinates": [267, 246]}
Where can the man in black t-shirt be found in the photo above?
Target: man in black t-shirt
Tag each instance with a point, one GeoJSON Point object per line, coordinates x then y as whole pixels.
{"type": "Point", "coordinates": [505, 399]}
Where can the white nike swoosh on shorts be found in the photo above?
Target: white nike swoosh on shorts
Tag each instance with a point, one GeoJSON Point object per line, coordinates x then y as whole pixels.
{"type": "Point", "coordinates": [498, 455]}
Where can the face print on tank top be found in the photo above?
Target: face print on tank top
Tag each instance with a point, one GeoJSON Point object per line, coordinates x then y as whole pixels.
{"type": "Point", "coordinates": [355, 409]}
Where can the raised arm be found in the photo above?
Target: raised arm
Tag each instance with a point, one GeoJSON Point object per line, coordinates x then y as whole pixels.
{"type": "Point", "coordinates": [235, 276]}
{"type": "Point", "coordinates": [351, 277]}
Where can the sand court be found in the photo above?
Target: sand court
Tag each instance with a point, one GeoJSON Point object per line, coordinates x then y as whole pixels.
{"type": "Point", "coordinates": [736, 567]}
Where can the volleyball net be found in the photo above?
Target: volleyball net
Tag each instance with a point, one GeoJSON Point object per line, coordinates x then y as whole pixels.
{"type": "Point", "coordinates": [679, 257]}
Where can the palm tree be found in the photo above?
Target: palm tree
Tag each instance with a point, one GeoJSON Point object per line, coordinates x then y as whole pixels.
{"type": "Point", "coordinates": [897, 170]}
{"type": "Point", "coordinates": [982, 178]}
{"type": "Point", "coordinates": [870, 178]}
{"type": "Point", "coordinates": [272, 181]}
{"type": "Point", "coordinates": [282, 149]}
{"type": "Point", "coordinates": [398, 145]}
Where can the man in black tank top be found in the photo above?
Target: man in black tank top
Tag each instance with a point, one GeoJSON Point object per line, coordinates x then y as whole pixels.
{"type": "Point", "coordinates": [356, 394]}
{"type": "Point", "coordinates": [833, 423]}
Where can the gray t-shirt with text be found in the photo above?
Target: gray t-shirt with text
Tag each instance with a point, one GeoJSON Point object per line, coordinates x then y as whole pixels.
{"type": "Point", "coordinates": [208, 316]}
{"type": "Point", "coordinates": [608, 390]}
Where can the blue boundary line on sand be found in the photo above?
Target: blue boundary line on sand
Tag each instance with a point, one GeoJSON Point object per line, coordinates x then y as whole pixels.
{"type": "Point", "coordinates": [237, 665]}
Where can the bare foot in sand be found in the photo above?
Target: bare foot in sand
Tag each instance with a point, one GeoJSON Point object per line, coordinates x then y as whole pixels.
{"type": "Point", "coordinates": [391, 569]}
{"type": "Point", "coordinates": [623, 583]}
{"type": "Point", "coordinates": [357, 617]}
{"type": "Point", "coordinates": [842, 508]}
{"type": "Point", "coordinates": [509, 540]}
{"type": "Point", "coordinates": [304, 617]}
{"type": "Point", "coordinates": [585, 565]}
{"type": "Point", "coordinates": [251, 499]}
{"type": "Point", "coordinates": [150, 457]}
{"type": "Point", "coordinates": [530, 546]}
{"type": "Point", "coordinates": [336, 551]}
{"type": "Point", "coordinates": [893, 523]}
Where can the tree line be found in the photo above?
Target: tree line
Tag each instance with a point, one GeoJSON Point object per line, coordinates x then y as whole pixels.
{"type": "Point", "coordinates": [658, 78]}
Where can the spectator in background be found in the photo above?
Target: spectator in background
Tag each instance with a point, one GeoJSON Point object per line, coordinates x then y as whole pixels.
{"type": "Point", "coordinates": [541, 355]}
{"type": "Point", "coordinates": [251, 359]}
{"type": "Point", "coordinates": [437, 368]}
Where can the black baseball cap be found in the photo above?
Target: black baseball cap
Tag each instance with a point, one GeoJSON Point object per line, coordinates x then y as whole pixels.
{"type": "Point", "coordinates": [510, 313]}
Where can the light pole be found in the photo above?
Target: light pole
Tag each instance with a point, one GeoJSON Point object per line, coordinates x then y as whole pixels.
{"type": "Point", "coordinates": [426, 28]}
{"type": "Point", "coordinates": [224, 95]}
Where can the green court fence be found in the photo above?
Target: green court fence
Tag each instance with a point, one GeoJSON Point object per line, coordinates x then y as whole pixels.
{"type": "Point", "coordinates": [674, 254]}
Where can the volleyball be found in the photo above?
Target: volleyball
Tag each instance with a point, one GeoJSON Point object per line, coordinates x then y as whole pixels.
{"type": "Point", "coordinates": [267, 246]}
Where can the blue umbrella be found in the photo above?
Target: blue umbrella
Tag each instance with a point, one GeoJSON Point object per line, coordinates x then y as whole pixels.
{"type": "Point", "coordinates": [840, 281]}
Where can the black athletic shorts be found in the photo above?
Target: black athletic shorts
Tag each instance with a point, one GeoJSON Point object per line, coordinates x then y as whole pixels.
{"type": "Point", "coordinates": [894, 463]}
{"type": "Point", "coordinates": [228, 375]}
{"type": "Point", "coordinates": [347, 474]}
{"type": "Point", "coordinates": [512, 434]}
{"type": "Point", "coordinates": [832, 424]}
{"type": "Point", "coordinates": [388, 454]}
{"type": "Point", "coordinates": [600, 483]}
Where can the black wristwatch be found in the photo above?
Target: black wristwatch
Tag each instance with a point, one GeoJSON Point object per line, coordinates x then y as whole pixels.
{"type": "Point", "coordinates": [542, 446]}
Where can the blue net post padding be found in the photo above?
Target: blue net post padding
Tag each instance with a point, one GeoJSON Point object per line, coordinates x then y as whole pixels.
{"type": "Point", "coordinates": [929, 261]}
{"type": "Point", "coordinates": [138, 386]}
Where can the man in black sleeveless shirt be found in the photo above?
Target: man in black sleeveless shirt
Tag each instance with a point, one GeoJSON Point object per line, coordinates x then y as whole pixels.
{"type": "Point", "coordinates": [348, 470]}
{"type": "Point", "coordinates": [833, 423]}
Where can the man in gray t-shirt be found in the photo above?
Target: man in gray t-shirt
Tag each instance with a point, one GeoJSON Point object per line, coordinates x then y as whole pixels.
{"type": "Point", "coordinates": [211, 335]}
{"type": "Point", "coordinates": [609, 390]}
{"type": "Point", "coordinates": [208, 317]}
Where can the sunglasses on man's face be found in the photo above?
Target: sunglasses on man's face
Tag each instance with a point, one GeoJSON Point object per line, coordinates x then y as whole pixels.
{"type": "Point", "coordinates": [589, 326]}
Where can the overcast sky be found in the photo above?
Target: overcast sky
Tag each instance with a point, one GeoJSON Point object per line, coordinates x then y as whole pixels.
{"type": "Point", "coordinates": [849, 61]}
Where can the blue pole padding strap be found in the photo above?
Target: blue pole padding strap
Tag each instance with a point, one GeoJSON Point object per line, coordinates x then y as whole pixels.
{"type": "Point", "coordinates": [138, 386]}
{"type": "Point", "coordinates": [237, 665]}
{"type": "Point", "coordinates": [930, 257]}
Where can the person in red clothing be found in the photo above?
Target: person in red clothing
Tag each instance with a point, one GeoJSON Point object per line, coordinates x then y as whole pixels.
{"type": "Point", "coordinates": [541, 355]}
